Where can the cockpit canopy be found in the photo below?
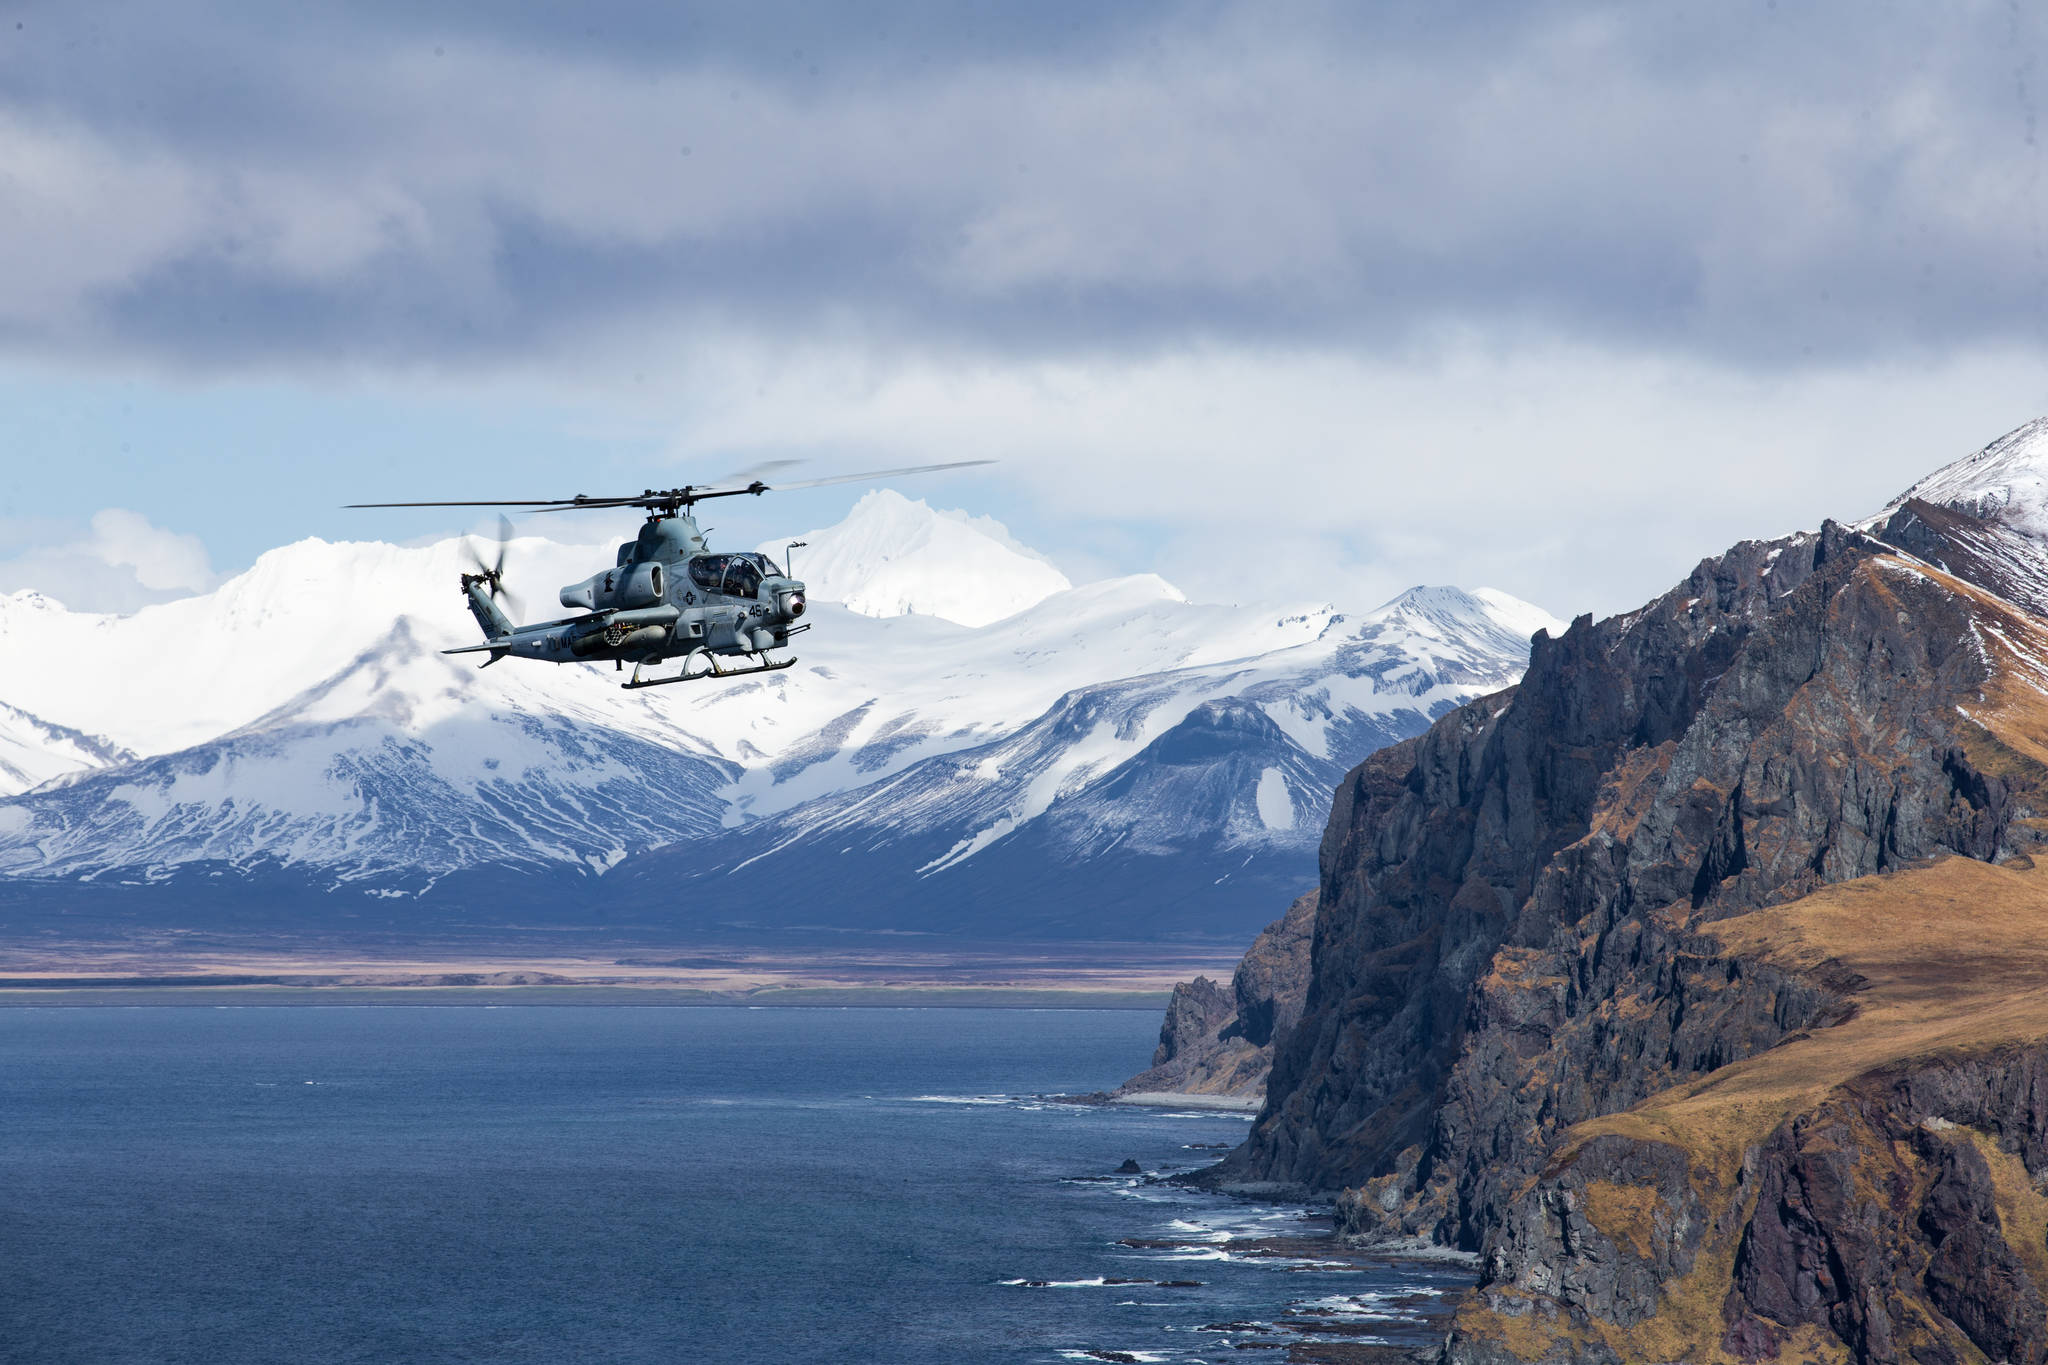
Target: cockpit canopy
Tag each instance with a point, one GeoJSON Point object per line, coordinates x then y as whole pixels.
{"type": "Point", "coordinates": [735, 575]}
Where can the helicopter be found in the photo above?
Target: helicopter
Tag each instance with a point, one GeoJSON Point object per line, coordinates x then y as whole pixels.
{"type": "Point", "coordinates": [667, 595]}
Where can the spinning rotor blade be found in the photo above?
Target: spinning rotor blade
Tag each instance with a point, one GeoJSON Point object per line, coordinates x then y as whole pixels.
{"type": "Point", "coordinates": [498, 569]}
{"type": "Point", "coordinates": [494, 573]}
{"type": "Point", "coordinates": [671, 499]}
{"type": "Point", "coordinates": [876, 474]}
{"type": "Point", "coordinates": [757, 486]}
{"type": "Point", "coordinates": [504, 535]}
{"type": "Point", "coordinates": [595, 504]}
{"type": "Point", "coordinates": [698, 492]}
{"type": "Point", "coordinates": [760, 471]}
{"type": "Point", "coordinates": [504, 539]}
{"type": "Point", "coordinates": [513, 502]}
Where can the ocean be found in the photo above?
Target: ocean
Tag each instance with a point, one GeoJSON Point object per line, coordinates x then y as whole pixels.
{"type": "Point", "coordinates": [635, 1184]}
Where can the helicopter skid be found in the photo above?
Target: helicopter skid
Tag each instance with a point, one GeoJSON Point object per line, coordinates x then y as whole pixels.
{"type": "Point", "coordinates": [714, 671]}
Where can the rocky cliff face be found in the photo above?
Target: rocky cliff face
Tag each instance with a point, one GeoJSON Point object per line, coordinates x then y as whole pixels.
{"type": "Point", "coordinates": [1220, 1042]}
{"type": "Point", "coordinates": [1872, 1190]}
{"type": "Point", "coordinates": [1691, 982]}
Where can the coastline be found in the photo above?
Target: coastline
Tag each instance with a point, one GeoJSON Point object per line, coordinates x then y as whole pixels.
{"type": "Point", "coordinates": [256, 969]}
{"type": "Point", "coordinates": [204, 994]}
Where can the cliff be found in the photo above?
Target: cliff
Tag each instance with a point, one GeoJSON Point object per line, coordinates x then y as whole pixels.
{"type": "Point", "coordinates": [1220, 1042]}
{"type": "Point", "coordinates": [1695, 982]}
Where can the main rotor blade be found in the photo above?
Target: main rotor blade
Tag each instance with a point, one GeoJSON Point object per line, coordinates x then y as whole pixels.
{"type": "Point", "coordinates": [687, 494]}
{"type": "Point", "coordinates": [759, 486]}
{"type": "Point", "coordinates": [758, 471]}
{"type": "Point", "coordinates": [877, 474]}
{"type": "Point", "coordinates": [515, 502]}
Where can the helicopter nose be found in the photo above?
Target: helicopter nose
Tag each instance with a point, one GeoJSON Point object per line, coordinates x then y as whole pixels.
{"type": "Point", "coordinates": [792, 603]}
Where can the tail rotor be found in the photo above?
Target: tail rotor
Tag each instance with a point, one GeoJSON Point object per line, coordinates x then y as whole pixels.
{"type": "Point", "coordinates": [491, 575]}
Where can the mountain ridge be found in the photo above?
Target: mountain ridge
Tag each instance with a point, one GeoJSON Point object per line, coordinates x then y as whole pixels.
{"type": "Point", "coordinates": [901, 727]}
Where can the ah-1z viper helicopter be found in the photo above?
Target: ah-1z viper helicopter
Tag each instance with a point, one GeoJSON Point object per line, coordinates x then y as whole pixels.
{"type": "Point", "coordinates": [667, 596]}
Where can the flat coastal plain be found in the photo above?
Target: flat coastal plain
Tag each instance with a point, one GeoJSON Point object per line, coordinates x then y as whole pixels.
{"type": "Point", "coordinates": [585, 968]}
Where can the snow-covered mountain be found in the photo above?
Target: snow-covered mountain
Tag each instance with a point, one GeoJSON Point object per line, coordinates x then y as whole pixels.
{"type": "Point", "coordinates": [2005, 483]}
{"type": "Point", "coordinates": [1168, 802]}
{"type": "Point", "coordinates": [1999, 498]}
{"type": "Point", "coordinates": [1005, 753]}
{"type": "Point", "coordinates": [384, 775]}
{"type": "Point", "coordinates": [894, 557]}
{"type": "Point", "coordinates": [33, 751]}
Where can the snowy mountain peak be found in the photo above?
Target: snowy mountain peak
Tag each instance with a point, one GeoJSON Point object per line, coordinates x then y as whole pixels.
{"type": "Point", "coordinates": [1455, 612]}
{"type": "Point", "coordinates": [1429, 599]}
{"type": "Point", "coordinates": [2006, 482]}
{"type": "Point", "coordinates": [892, 556]}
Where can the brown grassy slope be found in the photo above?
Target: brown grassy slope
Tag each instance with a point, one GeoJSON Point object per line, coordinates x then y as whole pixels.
{"type": "Point", "coordinates": [1953, 957]}
{"type": "Point", "coordinates": [1940, 961]}
{"type": "Point", "coordinates": [1954, 961]}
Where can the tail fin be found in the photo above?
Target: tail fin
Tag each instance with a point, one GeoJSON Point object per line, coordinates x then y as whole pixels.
{"type": "Point", "coordinates": [485, 610]}
{"type": "Point", "coordinates": [495, 624]}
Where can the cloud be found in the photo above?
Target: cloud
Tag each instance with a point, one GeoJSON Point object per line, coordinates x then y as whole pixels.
{"type": "Point", "coordinates": [162, 561]}
{"type": "Point", "coordinates": [1581, 478]}
{"type": "Point", "coordinates": [459, 185]}
{"type": "Point", "coordinates": [1554, 297]}
{"type": "Point", "coordinates": [122, 563]}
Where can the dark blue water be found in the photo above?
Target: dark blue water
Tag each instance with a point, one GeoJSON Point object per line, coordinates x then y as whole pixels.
{"type": "Point", "coordinates": [623, 1184]}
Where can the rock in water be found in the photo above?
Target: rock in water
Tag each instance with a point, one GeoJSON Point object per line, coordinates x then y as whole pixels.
{"type": "Point", "coordinates": [1697, 981]}
{"type": "Point", "coordinates": [1218, 1042]}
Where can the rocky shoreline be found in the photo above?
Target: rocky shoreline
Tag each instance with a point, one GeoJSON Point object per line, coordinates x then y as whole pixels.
{"type": "Point", "coordinates": [1217, 1043]}
{"type": "Point", "coordinates": [1398, 1315]}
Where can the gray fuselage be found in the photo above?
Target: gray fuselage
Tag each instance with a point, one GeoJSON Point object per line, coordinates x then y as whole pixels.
{"type": "Point", "coordinates": [667, 596]}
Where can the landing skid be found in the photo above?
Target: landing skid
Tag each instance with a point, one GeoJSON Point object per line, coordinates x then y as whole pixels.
{"type": "Point", "coordinates": [711, 671]}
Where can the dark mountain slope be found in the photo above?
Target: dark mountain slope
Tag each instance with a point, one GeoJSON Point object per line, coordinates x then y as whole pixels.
{"type": "Point", "coordinates": [1553, 912]}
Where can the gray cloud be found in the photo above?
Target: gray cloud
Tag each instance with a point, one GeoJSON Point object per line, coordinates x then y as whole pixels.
{"type": "Point", "coordinates": [222, 185]}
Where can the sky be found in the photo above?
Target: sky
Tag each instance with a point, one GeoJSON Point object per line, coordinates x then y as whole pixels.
{"type": "Point", "coordinates": [1553, 298]}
